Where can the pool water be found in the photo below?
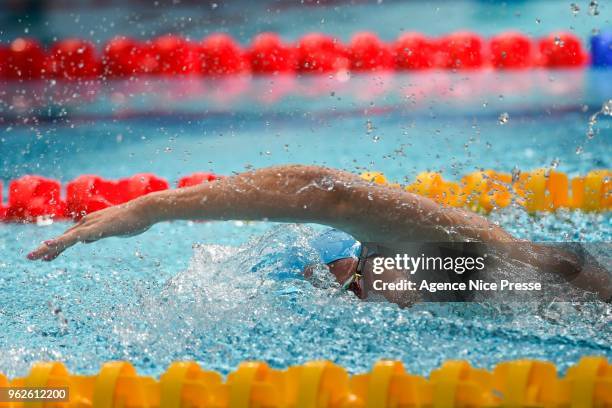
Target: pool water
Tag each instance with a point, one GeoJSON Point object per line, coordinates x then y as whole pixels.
{"type": "Point", "coordinates": [187, 290]}
{"type": "Point", "coordinates": [210, 291]}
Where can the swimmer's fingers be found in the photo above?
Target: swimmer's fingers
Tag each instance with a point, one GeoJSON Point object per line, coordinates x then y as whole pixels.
{"type": "Point", "coordinates": [112, 221]}
{"type": "Point", "coordinates": [49, 250]}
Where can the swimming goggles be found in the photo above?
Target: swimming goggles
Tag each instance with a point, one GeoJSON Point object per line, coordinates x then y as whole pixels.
{"type": "Point", "coordinates": [354, 282]}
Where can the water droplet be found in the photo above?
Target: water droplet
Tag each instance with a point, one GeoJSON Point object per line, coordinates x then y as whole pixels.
{"type": "Point", "coordinates": [575, 8]}
{"type": "Point", "coordinates": [579, 150]}
{"type": "Point", "coordinates": [591, 133]}
{"type": "Point", "coordinates": [555, 163]}
{"type": "Point", "coordinates": [593, 8]}
{"type": "Point", "coordinates": [503, 118]}
{"type": "Point", "coordinates": [606, 108]}
{"type": "Point", "coordinates": [538, 21]}
{"type": "Point", "coordinates": [559, 42]}
{"type": "Point", "coordinates": [369, 126]}
{"type": "Point", "coordinates": [516, 174]}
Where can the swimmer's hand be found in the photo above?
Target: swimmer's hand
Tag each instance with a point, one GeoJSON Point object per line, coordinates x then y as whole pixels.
{"type": "Point", "coordinates": [126, 219]}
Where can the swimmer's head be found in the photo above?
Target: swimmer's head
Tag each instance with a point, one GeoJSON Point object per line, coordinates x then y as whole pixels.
{"type": "Point", "coordinates": [340, 252]}
{"type": "Point", "coordinates": [344, 271]}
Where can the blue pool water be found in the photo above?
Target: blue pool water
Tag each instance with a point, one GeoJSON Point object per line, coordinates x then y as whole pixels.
{"type": "Point", "coordinates": [186, 290]}
{"type": "Point", "coordinates": [157, 298]}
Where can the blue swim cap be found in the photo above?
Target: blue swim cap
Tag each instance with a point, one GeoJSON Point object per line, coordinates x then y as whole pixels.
{"type": "Point", "coordinates": [334, 244]}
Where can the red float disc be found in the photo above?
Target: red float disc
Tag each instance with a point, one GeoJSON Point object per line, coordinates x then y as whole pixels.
{"type": "Point", "coordinates": [173, 55]}
{"type": "Point", "coordinates": [562, 50]}
{"type": "Point", "coordinates": [414, 51]}
{"type": "Point", "coordinates": [221, 55]}
{"type": "Point", "coordinates": [368, 53]}
{"type": "Point", "coordinates": [24, 59]}
{"type": "Point", "coordinates": [90, 193]}
{"type": "Point", "coordinates": [34, 196]}
{"type": "Point", "coordinates": [195, 179]}
{"type": "Point", "coordinates": [269, 55]}
{"type": "Point", "coordinates": [126, 57]}
{"type": "Point", "coordinates": [460, 50]}
{"type": "Point", "coordinates": [511, 51]}
{"type": "Point", "coordinates": [318, 53]}
{"type": "Point", "coordinates": [73, 58]}
{"type": "Point", "coordinates": [139, 185]}
{"type": "Point", "coordinates": [3, 61]}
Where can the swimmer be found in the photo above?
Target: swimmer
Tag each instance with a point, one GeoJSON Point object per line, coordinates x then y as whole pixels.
{"type": "Point", "coordinates": [381, 217]}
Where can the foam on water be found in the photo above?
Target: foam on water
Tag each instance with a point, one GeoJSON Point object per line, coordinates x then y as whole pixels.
{"type": "Point", "coordinates": [227, 307]}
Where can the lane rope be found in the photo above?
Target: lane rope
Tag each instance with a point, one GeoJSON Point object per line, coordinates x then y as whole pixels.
{"type": "Point", "coordinates": [314, 53]}
{"type": "Point", "coordinates": [519, 383]}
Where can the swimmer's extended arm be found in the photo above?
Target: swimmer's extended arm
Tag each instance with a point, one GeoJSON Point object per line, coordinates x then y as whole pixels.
{"type": "Point", "coordinates": [371, 213]}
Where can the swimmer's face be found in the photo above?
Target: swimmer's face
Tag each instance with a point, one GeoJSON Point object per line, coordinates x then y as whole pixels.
{"type": "Point", "coordinates": [342, 269]}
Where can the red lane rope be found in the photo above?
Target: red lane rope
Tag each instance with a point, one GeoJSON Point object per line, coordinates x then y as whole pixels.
{"type": "Point", "coordinates": [34, 197]}
{"type": "Point", "coordinates": [220, 54]}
